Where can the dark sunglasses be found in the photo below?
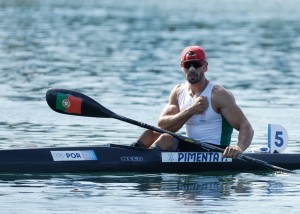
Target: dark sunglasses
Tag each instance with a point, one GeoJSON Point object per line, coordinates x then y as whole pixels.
{"type": "Point", "coordinates": [196, 64]}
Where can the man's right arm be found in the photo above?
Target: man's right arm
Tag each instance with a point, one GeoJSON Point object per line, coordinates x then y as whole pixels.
{"type": "Point", "coordinates": [172, 119]}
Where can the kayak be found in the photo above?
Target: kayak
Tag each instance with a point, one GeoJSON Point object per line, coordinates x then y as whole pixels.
{"type": "Point", "coordinates": [120, 158]}
{"type": "Point", "coordinates": [70, 102]}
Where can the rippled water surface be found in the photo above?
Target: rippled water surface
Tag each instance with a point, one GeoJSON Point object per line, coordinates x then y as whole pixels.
{"type": "Point", "coordinates": [125, 54]}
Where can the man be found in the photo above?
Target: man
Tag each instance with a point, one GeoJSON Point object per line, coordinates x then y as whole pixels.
{"type": "Point", "coordinates": [208, 111]}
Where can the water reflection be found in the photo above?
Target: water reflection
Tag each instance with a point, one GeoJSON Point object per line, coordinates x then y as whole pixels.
{"type": "Point", "coordinates": [130, 193]}
{"type": "Point", "coordinates": [189, 187]}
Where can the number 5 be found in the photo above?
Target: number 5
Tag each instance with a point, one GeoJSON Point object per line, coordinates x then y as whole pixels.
{"type": "Point", "coordinates": [278, 136]}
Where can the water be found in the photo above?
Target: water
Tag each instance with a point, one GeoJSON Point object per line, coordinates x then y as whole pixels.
{"type": "Point", "coordinates": [125, 54]}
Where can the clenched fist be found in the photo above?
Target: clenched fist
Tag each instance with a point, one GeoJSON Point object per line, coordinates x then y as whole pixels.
{"type": "Point", "coordinates": [200, 105]}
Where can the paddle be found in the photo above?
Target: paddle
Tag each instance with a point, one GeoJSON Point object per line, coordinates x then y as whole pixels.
{"type": "Point", "coordinates": [74, 103]}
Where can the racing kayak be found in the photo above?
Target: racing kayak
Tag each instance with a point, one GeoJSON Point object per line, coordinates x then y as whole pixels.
{"type": "Point", "coordinates": [119, 158]}
{"type": "Point", "coordinates": [74, 103]}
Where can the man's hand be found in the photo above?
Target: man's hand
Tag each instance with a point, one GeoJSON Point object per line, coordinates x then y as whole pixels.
{"type": "Point", "coordinates": [200, 105]}
{"type": "Point", "coordinates": [232, 152]}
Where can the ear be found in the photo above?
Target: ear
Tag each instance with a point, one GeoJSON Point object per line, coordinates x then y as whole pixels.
{"type": "Point", "coordinates": [182, 68]}
{"type": "Point", "coordinates": [206, 67]}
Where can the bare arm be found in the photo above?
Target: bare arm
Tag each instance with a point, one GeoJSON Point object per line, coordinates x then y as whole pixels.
{"type": "Point", "coordinates": [227, 106]}
{"type": "Point", "coordinates": [172, 119]}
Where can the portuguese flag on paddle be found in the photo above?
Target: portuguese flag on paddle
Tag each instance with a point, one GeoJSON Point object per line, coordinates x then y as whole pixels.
{"type": "Point", "coordinates": [68, 103]}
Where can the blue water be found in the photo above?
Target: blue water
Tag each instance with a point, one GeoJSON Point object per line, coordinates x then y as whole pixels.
{"type": "Point", "coordinates": [125, 54]}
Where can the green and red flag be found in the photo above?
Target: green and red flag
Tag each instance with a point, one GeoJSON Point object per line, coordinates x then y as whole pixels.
{"type": "Point", "coordinates": [68, 103]}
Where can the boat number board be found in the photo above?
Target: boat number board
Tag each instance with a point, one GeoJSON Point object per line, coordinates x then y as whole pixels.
{"type": "Point", "coordinates": [182, 157]}
{"type": "Point", "coordinates": [84, 155]}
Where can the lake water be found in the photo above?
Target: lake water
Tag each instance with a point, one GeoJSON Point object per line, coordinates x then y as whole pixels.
{"type": "Point", "coordinates": [125, 54]}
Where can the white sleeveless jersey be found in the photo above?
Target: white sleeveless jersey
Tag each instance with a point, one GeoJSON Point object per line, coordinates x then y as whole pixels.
{"type": "Point", "coordinates": [209, 127]}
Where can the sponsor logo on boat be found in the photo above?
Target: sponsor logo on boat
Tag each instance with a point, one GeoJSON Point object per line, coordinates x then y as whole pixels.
{"type": "Point", "coordinates": [132, 158]}
{"type": "Point", "coordinates": [74, 155]}
{"type": "Point", "coordinates": [182, 157]}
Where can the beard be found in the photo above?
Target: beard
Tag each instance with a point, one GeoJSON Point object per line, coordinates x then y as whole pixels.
{"type": "Point", "coordinates": [194, 78]}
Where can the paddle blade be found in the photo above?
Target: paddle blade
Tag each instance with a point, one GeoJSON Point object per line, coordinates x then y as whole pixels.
{"type": "Point", "coordinates": [74, 103]}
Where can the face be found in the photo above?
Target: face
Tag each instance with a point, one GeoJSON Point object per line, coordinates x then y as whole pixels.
{"type": "Point", "coordinates": [194, 70]}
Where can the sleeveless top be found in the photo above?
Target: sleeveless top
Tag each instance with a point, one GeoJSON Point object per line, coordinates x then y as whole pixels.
{"type": "Point", "coordinates": [209, 127]}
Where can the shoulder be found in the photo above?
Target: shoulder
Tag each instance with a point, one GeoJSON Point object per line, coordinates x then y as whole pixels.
{"type": "Point", "coordinates": [178, 89]}
{"type": "Point", "coordinates": [172, 106]}
{"type": "Point", "coordinates": [219, 90]}
{"type": "Point", "coordinates": [222, 97]}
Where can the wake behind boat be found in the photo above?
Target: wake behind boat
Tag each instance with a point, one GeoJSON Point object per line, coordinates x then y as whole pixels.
{"type": "Point", "coordinates": [119, 158]}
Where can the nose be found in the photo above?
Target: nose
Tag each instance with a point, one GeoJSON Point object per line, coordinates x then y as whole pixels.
{"type": "Point", "coordinates": [192, 68]}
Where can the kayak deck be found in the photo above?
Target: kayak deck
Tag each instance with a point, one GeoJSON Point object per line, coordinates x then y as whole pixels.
{"type": "Point", "coordinates": [118, 158]}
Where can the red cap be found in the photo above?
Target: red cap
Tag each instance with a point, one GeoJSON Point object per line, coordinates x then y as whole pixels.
{"type": "Point", "coordinates": [193, 53]}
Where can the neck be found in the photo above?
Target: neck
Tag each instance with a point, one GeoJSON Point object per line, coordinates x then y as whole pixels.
{"type": "Point", "coordinates": [199, 87]}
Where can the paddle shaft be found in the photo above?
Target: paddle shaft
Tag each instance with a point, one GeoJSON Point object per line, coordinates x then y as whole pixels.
{"type": "Point", "coordinates": [74, 103]}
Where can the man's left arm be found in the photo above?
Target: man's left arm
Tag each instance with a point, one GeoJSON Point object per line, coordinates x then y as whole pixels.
{"type": "Point", "coordinates": [235, 116]}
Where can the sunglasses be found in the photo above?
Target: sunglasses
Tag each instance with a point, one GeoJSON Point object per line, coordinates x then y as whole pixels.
{"type": "Point", "coordinates": [195, 63]}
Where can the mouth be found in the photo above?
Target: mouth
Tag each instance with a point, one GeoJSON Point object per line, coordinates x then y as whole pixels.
{"type": "Point", "coordinates": [192, 75]}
